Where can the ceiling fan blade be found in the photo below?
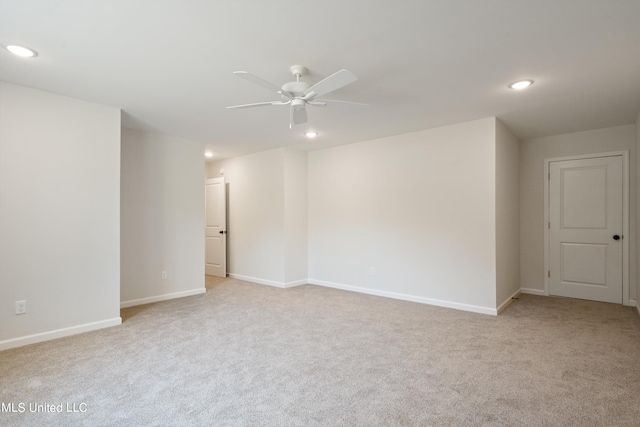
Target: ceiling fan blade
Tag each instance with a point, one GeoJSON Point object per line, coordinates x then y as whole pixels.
{"type": "Point", "coordinates": [298, 115]}
{"type": "Point", "coordinates": [258, 104]}
{"type": "Point", "coordinates": [335, 101]}
{"type": "Point", "coordinates": [334, 82]}
{"type": "Point", "coordinates": [260, 82]}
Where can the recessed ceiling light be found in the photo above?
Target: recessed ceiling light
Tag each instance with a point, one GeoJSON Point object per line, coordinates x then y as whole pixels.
{"type": "Point", "coordinates": [521, 84]}
{"type": "Point", "coordinates": [21, 51]}
{"type": "Point", "coordinates": [208, 154]}
{"type": "Point", "coordinates": [311, 134]}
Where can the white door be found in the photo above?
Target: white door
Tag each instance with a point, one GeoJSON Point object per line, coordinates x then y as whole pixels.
{"type": "Point", "coordinates": [215, 253]}
{"type": "Point", "coordinates": [585, 228]}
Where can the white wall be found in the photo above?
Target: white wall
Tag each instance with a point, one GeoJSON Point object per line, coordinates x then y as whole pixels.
{"type": "Point", "coordinates": [532, 155]}
{"type": "Point", "coordinates": [507, 214]}
{"type": "Point", "coordinates": [295, 213]}
{"type": "Point", "coordinates": [255, 215]}
{"type": "Point", "coordinates": [162, 217]}
{"type": "Point", "coordinates": [266, 216]}
{"type": "Point", "coordinates": [59, 215]}
{"type": "Point", "coordinates": [637, 222]}
{"type": "Point", "coordinates": [419, 208]}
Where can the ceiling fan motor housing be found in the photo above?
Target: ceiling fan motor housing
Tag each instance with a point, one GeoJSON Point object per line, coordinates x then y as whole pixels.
{"type": "Point", "coordinates": [296, 88]}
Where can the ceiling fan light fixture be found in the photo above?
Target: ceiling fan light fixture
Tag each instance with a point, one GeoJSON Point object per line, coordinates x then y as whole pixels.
{"type": "Point", "coordinates": [297, 103]}
{"type": "Point", "coordinates": [521, 84]}
{"type": "Point", "coordinates": [21, 51]}
{"type": "Point", "coordinates": [311, 134]}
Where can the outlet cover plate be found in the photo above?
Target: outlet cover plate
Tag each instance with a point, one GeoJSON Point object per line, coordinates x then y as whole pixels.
{"type": "Point", "coordinates": [21, 307]}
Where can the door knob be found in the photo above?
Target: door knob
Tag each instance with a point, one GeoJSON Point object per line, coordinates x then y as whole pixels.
{"type": "Point", "coordinates": [616, 237]}
{"type": "Point", "coordinates": [224, 232]}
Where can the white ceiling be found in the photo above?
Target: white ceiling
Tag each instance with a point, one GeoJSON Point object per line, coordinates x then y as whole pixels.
{"type": "Point", "coordinates": [421, 64]}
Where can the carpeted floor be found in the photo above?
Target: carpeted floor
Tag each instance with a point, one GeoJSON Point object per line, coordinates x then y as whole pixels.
{"type": "Point", "coordinates": [251, 355]}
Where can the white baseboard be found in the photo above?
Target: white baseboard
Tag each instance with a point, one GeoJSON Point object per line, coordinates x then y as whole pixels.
{"type": "Point", "coordinates": [532, 291]}
{"type": "Point", "coordinates": [636, 304]}
{"type": "Point", "coordinates": [507, 301]}
{"type": "Point", "coordinates": [405, 297]}
{"type": "Point", "coordinates": [296, 283]}
{"type": "Point", "coordinates": [58, 333]}
{"type": "Point", "coordinates": [165, 297]}
{"type": "Point", "coordinates": [269, 282]}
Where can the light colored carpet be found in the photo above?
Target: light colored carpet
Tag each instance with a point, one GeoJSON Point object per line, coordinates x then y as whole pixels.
{"type": "Point", "coordinates": [245, 354]}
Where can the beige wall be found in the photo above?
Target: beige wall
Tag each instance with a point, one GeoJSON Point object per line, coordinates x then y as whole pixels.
{"type": "Point", "coordinates": [637, 222]}
{"type": "Point", "coordinates": [507, 215]}
{"type": "Point", "coordinates": [432, 210]}
{"type": "Point", "coordinates": [162, 217]}
{"type": "Point", "coordinates": [59, 215]}
{"type": "Point", "coordinates": [532, 155]}
{"type": "Point", "coordinates": [255, 215]}
{"type": "Point", "coordinates": [266, 216]}
{"type": "Point", "coordinates": [420, 208]}
{"type": "Point", "coordinates": [295, 215]}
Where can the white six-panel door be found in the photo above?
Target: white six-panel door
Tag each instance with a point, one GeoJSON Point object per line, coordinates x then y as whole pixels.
{"type": "Point", "coordinates": [215, 227]}
{"type": "Point", "coordinates": [586, 228]}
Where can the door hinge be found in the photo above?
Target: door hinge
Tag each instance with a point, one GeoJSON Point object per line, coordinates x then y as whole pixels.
{"type": "Point", "coordinates": [549, 225]}
{"type": "Point", "coordinates": [549, 273]}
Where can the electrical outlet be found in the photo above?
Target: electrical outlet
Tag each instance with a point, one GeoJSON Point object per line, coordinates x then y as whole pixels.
{"type": "Point", "coordinates": [21, 307]}
{"type": "Point", "coordinates": [164, 275]}
{"type": "Point", "coordinates": [372, 271]}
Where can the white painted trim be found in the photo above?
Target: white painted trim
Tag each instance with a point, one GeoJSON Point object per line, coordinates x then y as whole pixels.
{"type": "Point", "coordinates": [58, 333]}
{"type": "Point", "coordinates": [547, 183]}
{"type": "Point", "coordinates": [296, 283]}
{"type": "Point", "coordinates": [165, 297]}
{"type": "Point", "coordinates": [405, 297]}
{"type": "Point", "coordinates": [626, 230]}
{"type": "Point", "coordinates": [269, 282]}
{"type": "Point", "coordinates": [223, 220]}
{"type": "Point", "coordinates": [636, 304]}
{"type": "Point", "coordinates": [532, 291]}
{"type": "Point", "coordinates": [507, 301]}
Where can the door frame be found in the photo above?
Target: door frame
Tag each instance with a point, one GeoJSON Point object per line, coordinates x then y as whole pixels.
{"type": "Point", "coordinates": [222, 181]}
{"type": "Point", "coordinates": [625, 215]}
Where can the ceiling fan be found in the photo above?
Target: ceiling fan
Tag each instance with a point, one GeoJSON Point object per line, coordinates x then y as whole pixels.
{"type": "Point", "coordinates": [298, 94]}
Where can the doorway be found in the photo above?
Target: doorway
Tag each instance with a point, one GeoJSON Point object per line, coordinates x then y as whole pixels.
{"type": "Point", "coordinates": [586, 222]}
{"type": "Point", "coordinates": [215, 253]}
